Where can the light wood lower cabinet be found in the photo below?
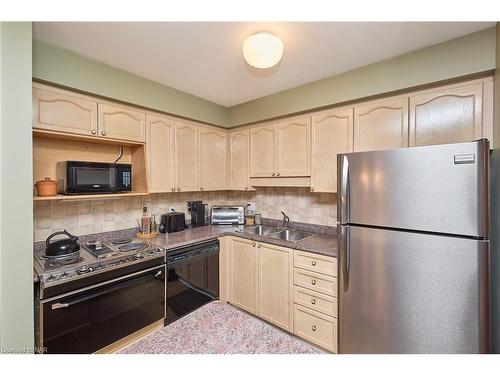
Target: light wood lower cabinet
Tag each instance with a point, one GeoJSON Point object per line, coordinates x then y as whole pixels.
{"type": "Point", "coordinates": [275, 294]}
{"type": "Point", "coordinates": [213, 158]}
{"type": "Point", "coordinates": [260, 278]}
{"type": "Point", "coordinates": [243, 280]}
{"type": "Point", "coordinates": [315, 327]}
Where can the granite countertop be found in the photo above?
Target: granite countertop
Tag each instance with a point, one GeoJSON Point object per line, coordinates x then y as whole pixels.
{"type": "Point", "coordinates": [323, 241]}
{"type": "Point", "coordinates": [219, 328]}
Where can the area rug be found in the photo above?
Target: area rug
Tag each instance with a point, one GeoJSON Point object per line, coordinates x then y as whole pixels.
{"type": "Point", "coordinates": [219, 328]}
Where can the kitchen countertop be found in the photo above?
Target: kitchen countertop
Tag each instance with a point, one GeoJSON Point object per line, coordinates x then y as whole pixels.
{"type": "Point", "coordinates": [323, 242]}
{"type": "Point", "coordinates": [219, 328]}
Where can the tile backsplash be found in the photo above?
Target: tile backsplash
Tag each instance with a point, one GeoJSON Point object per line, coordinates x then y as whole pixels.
{"type": "Point", "coordinates": [93, 216]}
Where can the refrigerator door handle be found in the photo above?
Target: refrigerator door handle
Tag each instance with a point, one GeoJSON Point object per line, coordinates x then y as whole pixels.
{"type": "Point", "coordinates": [344, 254]}
{"type": "Point", "coordinates": [343, 190]}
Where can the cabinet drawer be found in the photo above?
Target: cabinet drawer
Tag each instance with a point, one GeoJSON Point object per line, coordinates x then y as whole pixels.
{"type": "Point", "coordinates": [315, 262]}
{"type": "Point", "coordinates": [315, 301]}
{"type": "Point", "coordinates": [315, 281]}
{"type": "Point", "coordinates": [315, 327]}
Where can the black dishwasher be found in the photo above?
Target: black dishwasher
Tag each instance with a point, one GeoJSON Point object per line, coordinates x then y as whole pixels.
{"type": "Point", "coordinates": [192, 278]}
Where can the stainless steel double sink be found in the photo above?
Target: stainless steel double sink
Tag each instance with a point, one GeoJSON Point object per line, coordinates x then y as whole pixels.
{"type": "Point", "coordinates": [285, 234]}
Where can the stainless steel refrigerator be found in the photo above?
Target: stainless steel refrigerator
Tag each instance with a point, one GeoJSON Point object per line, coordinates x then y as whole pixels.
{"type": "Point", "coordinates": [414, 250]}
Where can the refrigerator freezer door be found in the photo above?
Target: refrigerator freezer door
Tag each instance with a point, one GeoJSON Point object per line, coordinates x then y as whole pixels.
{"type": "Point", "coordinates": [442, 189]}
{"type": "Point", "coordinates": [406, 292]}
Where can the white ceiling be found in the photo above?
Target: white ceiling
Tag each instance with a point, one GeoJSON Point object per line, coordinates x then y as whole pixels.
{"type": "Point", "coordinates": [205, 58]}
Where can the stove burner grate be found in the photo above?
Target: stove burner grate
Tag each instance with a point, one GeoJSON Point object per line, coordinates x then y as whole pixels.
{"type": "Point", "coordinates": [62, 261]}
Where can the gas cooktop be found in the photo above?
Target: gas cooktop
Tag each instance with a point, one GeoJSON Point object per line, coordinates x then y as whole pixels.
{"type": "Point", "coordinates": [94, 257]}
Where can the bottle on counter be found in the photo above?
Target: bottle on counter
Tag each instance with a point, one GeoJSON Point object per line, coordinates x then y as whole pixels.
{"type": "Point", "coordinates": [145, 221]}
{"type": "Point", "coordinates": [258, 218]}
{"type": "Point", "coordinates": [153, 226]}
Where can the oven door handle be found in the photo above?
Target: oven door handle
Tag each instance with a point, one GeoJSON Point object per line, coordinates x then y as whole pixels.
{"type": "Point", "coordinates": [102, 291]}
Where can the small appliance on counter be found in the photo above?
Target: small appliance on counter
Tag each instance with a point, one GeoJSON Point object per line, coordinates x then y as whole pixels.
{"type": "Point", "coordinates": [232, 215]}
{"type": "Point", "coordinates": [199, 213]}
{"type": "Point", "coordinates": [82, 177]}
{"type": "Point", "coordinates": [172, 222]}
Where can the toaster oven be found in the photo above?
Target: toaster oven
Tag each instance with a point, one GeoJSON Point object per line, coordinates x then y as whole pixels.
{"type": "Point", "coordinates": [227, 215]}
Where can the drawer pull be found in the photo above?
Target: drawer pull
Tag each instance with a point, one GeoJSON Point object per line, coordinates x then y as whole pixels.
{"type": "Point", "coordinates": [259, 245]}
{"type": "Point", "coordinates": [313, 282]}
{"type": "Point", "coordinates": [313, 263]}
{"type": "Point", "coordinates": [253, 244]}
{"type": "Point", "coordinates": [313, 301]}
{"type": "Point", "coordinates": [313, 328]}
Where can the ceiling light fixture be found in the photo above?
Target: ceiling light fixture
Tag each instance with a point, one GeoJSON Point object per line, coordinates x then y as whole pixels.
{"type": "Point", "coordinates": [262, 50]}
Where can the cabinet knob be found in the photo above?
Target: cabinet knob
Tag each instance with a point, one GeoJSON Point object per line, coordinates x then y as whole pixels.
{"type": "Point", "coordinates": [313, 301]}
{"type": "Point", "coordinates": [246, 187]}
{"type": "Point", "coordinates": [178, 189]}
{"type": "Point", "coordinates": [312, 189]}
{"type": "Point", "coordinates": [253, 244]}
{"type": "Point", "coordinates": [313, 328]}
{"type": "Point", "coordinates": [201, 188]}
{"type": "Point", "coordinates": [93, 131]}
{"type": "Point", "coordinates": [277, 174]}
{"type": "Point", "coordinates": [274, 174]}
{"type": "Point", "coordinates": [173, 189]}
{"type": "Point", "coordinates": [259, 245]}
{"type": "Point", "coordinates": [313, 263]}
{"type": "Point", "coordinates": [313, 282]}
{"type": "Point", "coordinates": [103, 133]}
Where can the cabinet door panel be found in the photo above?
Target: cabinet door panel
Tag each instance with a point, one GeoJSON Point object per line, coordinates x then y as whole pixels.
{"type": "Point", "coordinates": [213, 159]}
{"type": "Point", "coordinates": [244, 275]}
{"type": "Point", "coordinates": [64, 112]}
{"type": "Point", "coordinates": [332, 134]}
{"type": "Point", "coordinates": [262, 151]}
{"type": "Point", "coordinates": [121, 123]}
{"type": "Point", "coordinates": [186, 142]}
{"type": "Point", "coordinates": [381, 125]}
{"type": "Point", "coordinates": [446, 116]}
{"type": "Point", "coordinates": [276, 285]}
{"type": "Point", "coordinates": [160, 142]}
{"type": "Point", "coordinates": [293, 147]}
{"type": "Point", "coordinates": [239, 159]}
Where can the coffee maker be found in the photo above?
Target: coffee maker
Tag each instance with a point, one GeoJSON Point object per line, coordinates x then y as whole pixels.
{"type": "Point", "coordinates": [198, 211]}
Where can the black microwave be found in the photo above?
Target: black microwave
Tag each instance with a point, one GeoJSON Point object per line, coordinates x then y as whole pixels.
{"type": "Point", "coordinates": [82, 177]}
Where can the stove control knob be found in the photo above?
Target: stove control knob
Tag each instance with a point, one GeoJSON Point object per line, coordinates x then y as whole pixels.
{"type": "Point", "coordinates": [138, 256]}
{"type": "Point", "coordinates": [64, 275]}
{"type": "Point", "coordinates": [83, 269]}
{"type": "Point", "coordinates": [51, 278]}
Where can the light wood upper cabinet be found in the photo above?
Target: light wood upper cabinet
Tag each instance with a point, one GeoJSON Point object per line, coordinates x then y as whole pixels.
{"type": "Point", "coordinates": [119, 122]}
{"type": "Point", "coordinates": [262, 150]}
{"type": "Point", "coordinates": [243, 274]}
{"type": "Point", "coordinates": [239, 159]}
{"type": "Point", "coordinates": [61, 111]}
{"type": "Point", "coordinates": [160, 132]}
{"type": "Point", "coordinates": [186, 157]}
{"type": "Point", "coordinates": [293, 137]}
{"type": "Point", "coordinates": [275, 295]}
{"type": "Point", "coordinates": [332, 134]}
{"type": "Point", "coordinates": [381, 124]}
{"type": "Point", "coordinates": [446, 115]}
{"type": "Point", "coordinates": [213, 158]}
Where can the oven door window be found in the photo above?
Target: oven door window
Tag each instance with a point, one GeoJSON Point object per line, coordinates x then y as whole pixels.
{"type": "Point", "coordinates": [91, 320]}
{"type": "Point", "coordinates": [191, 283]}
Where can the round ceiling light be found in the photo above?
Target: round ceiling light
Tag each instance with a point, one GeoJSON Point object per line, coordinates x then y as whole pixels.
{"type": "Point", "coordinates": [262, 50]}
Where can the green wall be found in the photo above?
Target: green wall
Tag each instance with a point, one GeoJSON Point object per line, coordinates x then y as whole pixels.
{"type": "Point", "coordinates": [16, 191]}
{"type": "Point", "coordinates": [469, 54]}
{"type": "Point", "coordinates": [63, 67]}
